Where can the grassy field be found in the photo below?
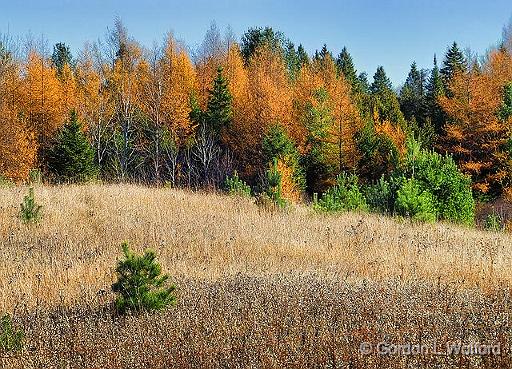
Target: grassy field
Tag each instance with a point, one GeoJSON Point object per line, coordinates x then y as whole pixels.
{"type": "Point", "coordinates": [255, 289]}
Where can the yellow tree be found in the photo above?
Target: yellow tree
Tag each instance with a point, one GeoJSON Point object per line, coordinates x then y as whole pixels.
{"type": "Point", "coordinates": [43, 101]}
{"type": "Point", "coordinates": [18, 147]}
{"type": "Point", "coordinates": [476, 134]}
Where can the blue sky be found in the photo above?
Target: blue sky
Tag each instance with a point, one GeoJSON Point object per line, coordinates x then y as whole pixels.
{"type": "Point", "coordinates": [392, 33]}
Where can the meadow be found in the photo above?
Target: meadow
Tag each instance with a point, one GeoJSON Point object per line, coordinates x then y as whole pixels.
{"type": "Point", "coordinates": [256, 289]}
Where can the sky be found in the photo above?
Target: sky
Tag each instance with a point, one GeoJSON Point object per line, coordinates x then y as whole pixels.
{"type": "Point", "coordinates": [391, 33]}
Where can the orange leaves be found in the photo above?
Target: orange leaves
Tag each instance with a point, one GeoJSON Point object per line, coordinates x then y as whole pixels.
{"type": "Point", "coordinates": [179, 84]}
{"type": "Point", "coordinates": [18, 149]}
{"type": "Point", "coordinates": [289, 189]}
{"type": "Point", "coordinates": [43, 99]}
{"type": "Point", "coordinates": [474, 134]}
{"type": "Point", "coordinates": [395, 133]}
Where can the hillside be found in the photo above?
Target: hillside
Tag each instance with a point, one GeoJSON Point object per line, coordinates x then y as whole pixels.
{"type": "Point", "coordinates": [255, 289]}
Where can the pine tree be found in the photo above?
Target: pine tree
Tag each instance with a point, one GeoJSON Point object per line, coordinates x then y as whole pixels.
{"type": "Point", "coordinates": [72, 157]}
{"type": "Point", "coordinates": [435, 89]}
{"type": "Point", "coordinates": [454, 62]}
{"type": "Point", "coordinates": [219, 111]}
{"type": "Point", "coordinates": [140, 285]}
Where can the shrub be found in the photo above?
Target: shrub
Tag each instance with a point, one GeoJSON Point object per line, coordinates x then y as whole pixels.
{"type": "Point", "coordinates": [380, 196]}
{"type": "Point", "coordinates": [414, 202]}
{"type": "Point", "coordinates": [10, 339]}
{"type": "Point", "coordinates": [140, 285]}
{"type": "Point", "coordinates": [72, 156]}
{"type": "Point", "coordinates": [439, 175]}
{"type": "Point", "coordinates": [494, 222]}
{"type": "Point", "coordinates": [35, 176]}
{"type": "Point", "coordinates": [343, 196]}
{"type": "Point", "coordinates": [30, 212]}
{"type": "Point", "coordinates": [273, 185]}
{"type": "Point", "coordinates": [235, 186]}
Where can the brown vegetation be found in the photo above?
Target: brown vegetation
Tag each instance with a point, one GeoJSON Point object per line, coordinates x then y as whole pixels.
{"type": "Point", "coordinates": [289, 289]}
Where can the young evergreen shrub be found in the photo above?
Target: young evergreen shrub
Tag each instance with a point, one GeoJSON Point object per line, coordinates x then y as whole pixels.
{"type": "Point", "coordinates": [345, 195]}
{"type": "Point", "coordinates": [439, 175]}
{"type": "Point", "coordinates": [10, 338]}
{"type": "Point", "coordinates": [412, 201]}
{"type": "Point", "coordinates": [35, 176]}
{"type": "Point", "coordinates": [30, 212]}
{"type": "Point", "coordinates": [140, 284]}
{"type": "Point", "coordinates": [235, 186]}
{"type": "Point", "coordinates": [273, 189]}
{"type": "Point", "coordinates": [72, 157]}
{"type": "Point", "coordinates": [380, 196]}
{"type": "Point", "coordinates": [494, 222]}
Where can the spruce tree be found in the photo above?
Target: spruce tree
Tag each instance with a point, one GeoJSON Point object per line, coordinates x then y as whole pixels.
{"type": "Point", "coordinates": [345, 65]}
{"type": "Point", "coordinates": [302, 56]}
{"type": "Point", "coordinates": [435, 89]}
{"type": "Point", "coordinates": [454, 61]}
{"type": "Point", "coordinates": [61, 56]}
{"type": "Point", "coordinates": [219, 110]}
{"type": "Point", "coordinates": [412, 96]}
{"type": "Point", "coordinates": [72, 156]}
{"type": "Point", "coordinates": [384, 101]}
{"type": "Point", "coordinates": [381, 82]}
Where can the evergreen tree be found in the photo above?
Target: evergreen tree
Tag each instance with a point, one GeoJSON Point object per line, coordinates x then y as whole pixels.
{"type": "Point", "coordinates": [346, 66]}
{"type": "Point", "coordinates": [140, 285]}
{"type": "Point", "coordinates": [72, 156]}
{"type": "Point", "coordinates": [384, 102]}
{"type": "Point", "coordinates": [257, 37]}
{"type": "Point", "coordinates": [413, 96]}
{"type": "Point", "coordinates": [435, 89]}
{"type": "Point", "coordinates": [454, 61]}
{"type": "Point", "coordinates": [61, 56]}
{"type": "Point", "coordinates": [291, 58]}
{"type": "Point", "coordinates": [363, 83]}
{"type": "Point", "coordinates": [381, 83]}
{"type": "Point", "coordinates": [219, 110]}
{"type": "Point", "coordinates": [302, 56]}
{"type": "Point", "coordinates": [277, 145]}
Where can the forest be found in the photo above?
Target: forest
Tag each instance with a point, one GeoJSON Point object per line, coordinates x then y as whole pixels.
{"type": "Point", "coordinates": [262, 115]}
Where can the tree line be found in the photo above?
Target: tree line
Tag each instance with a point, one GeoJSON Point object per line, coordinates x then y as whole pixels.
{"type": "Point", "coordinates": [119, 111]}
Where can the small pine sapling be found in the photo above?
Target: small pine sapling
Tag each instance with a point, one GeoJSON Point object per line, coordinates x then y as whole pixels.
{"type": "Point", "coordinates": [30, 211]}
{"type": "Point", "coordinates": [140, 285]}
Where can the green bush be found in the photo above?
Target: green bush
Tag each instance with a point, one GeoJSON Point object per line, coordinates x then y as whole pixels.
{"type": "Point", "coordinates": [30, 212]}
{"type": "Point", "coordinates": [412, 201]}
{"type": "Point", "coordinates": [273, 190]}
{"type": "Point", "coordinates": [10, 339]}
{"type": "Point", "coordinates": [235, 186]}
{"type": "Point", "coordinates": [439, 175]}
{"type": "Point", "coordinates": [494, 222]}
{"type": "Point", "coordinates": [343, 196]}
{"type": "Point", "coordinates": [140, 285]}
{"type": "Point", "coordinates": [35, 176]}
{"type": "Point", "coordinates": [380, 196]}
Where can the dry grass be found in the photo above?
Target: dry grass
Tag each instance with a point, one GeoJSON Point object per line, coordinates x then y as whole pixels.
{"type": "Point", "coordinates": [292, 289]}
